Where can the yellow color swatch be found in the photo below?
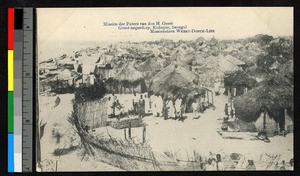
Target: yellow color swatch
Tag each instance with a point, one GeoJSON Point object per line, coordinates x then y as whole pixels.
{"type": "Point", "coordinates": [10, 70]}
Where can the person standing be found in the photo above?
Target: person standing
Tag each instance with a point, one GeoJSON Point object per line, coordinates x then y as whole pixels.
{"type": "Point", "coordinates": [141, 107]}
{"type": "Point", "coordinates": [147, 104]}
{"type": "Point", "coordinates": [220, 166]}
{"type": "Point", "coordinates": [217, 87]}
{"type": "Point", "coordinates": [153, 104]}
{"type": "Point", "coordinates": [110, 107]}
{"type": "Point", "coordinates": [170, 108]}
{"type": "Point", "coordinates": [159, 105]}
{"type": "Point", "coordinates": [226, 109]}
{"type": "Point", "coordinates": [118, 109]}
{"type": "Point", "coordinates": [195, 108]}
{"type": "Point", "coordinates": [135, 102]}
{"type": "Point", "coordinates": [178, 103]}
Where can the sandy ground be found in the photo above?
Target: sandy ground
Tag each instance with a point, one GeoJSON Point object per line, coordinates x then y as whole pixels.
{"type": "Point", "coordinates": [179, 137]}
{"type": "Point", "coordinates": [56, 117]}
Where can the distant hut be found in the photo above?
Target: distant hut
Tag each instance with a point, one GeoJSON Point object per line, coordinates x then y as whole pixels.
{"type": "Point", "coordinates": [238, 83]}
{"type": "Point", "coordinates": [178, 58]}
{"type": "Point", "coordinates": [151, 66]}
{"type": "Point", "coordinates": [87, 71]}
{"type": "Point", "coordinates": [230, 64]}
{"type": "Point", "coordinates": [265, 106]}
{"type": "Point", "coordinates": [129, 80]}
{"type": "Point", "coordinates": [275, 66]}
{"type": "Point", "coordinates": [64, 82]}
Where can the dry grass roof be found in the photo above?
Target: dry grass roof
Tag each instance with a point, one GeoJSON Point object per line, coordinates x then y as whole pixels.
{"type": "Point", "coordinates": [128, 73]}
{"type": "Point", "coordinates": [275, 94]}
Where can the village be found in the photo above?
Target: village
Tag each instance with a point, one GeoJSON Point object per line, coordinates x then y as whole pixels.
{"type": "Point", "coordinates": [205, 104]}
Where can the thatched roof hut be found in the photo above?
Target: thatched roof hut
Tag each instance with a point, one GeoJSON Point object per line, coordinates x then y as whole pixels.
{"type": "Point", "coordinates": [174, 80]}
{"type": "Point", "coordinates": [175, 84]}
{"type": "Point", "coordinates": [230, 64]}
{"type": "Point", "coordinates": [275, 65]}
{"type": "Point", "coordinates": [151, 65]}
{"type": "Point", "coordinates": [176, 67]}
{"type": "Point", "coordinates": [273, 94]}
{"type": "Point", "coordinates": [128, 73]}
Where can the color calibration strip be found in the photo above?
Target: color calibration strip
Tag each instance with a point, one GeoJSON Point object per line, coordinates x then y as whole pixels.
{"type": "Point", "coordinates": [11, 12]}
{"type": "Point", "coordinates": [15, 52]}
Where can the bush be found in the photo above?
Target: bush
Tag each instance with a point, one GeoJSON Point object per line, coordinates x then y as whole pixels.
{"type": "Point", "coordinates": [89, 93]}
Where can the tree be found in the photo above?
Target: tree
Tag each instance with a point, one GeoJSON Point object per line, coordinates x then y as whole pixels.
{"type": "Point", "coordinates": [89, 93]}
{"type": "Point", "coordinates": [264, 61]}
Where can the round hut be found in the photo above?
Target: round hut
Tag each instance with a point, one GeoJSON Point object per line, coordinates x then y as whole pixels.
{"type": "Point", "coordinates": [128, 80]}
{"type": "Point", "coordinates": [177, 81]}
{"type": "Point", "coordinates": [266, 104]}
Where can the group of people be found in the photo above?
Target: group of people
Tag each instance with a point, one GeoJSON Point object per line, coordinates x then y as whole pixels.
{"type": "Point", "coordinates": [114, 107]}
{"type": "Point", "coordinates": [138, 105]}
{"type": "Point", "coordinates": [173, 110]}
{"type": "Point", "coordinates": [141, 105]}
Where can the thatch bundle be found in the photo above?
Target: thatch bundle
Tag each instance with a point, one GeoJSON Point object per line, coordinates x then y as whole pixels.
{"type": "Point", "coordinates": [274, 94]}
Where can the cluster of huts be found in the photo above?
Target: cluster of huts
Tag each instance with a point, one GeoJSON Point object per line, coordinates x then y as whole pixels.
{"type": "Point", "coordinates": [171, 74]}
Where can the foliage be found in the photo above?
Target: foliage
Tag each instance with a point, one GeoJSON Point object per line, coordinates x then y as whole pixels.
{"type": "Point", "coordinates": [88, 93]}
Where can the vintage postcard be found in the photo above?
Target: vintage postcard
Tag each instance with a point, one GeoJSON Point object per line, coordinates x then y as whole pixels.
{"type": "Point", "coordinates": [165, 89]}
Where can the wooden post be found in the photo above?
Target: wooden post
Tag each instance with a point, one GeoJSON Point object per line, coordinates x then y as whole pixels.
{"type": "Point", "coordinates": [125, 134]}
{"type": "Point", "coordinates": [212, 98]}
{"type": "Point", "coordinates": [129, 130]}
{"type": "Point", "coordinates": [208, 98]}
{"type": "Point", "coordinates": [144, 134]}
{"type": "Point", "coordinates": [56, 166]}
{"type": "Point", "coordinates": [264, 122]}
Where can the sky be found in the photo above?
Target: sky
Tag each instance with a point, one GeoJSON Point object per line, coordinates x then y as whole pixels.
{"type": "Point", "coordinates": [58, 26]}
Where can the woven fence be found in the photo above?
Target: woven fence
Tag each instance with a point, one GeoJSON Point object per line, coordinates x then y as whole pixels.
{"type": "Point", "coordinates": [93, 113]}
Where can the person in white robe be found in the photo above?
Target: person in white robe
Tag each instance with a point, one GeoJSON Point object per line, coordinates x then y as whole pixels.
{"type": "Point", "coordinates": [159, 105]}
{"type": "Point", "coordinates": [147, 104]}
{"type": "Point", "coordinates": [178, 103]}
{"type": "Point", "coordinates": [195, 108]}
{"type": "Point", "coordinates": [152, 103]}
{"type": "Point", "coordinates": [170, 108]}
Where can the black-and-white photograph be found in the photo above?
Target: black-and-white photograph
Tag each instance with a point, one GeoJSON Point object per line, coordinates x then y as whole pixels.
{"type": "Point", "coordinates": [165, 89]}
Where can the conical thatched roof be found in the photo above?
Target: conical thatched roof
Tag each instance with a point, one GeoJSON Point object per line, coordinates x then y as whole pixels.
{"type": "Point", "coordinates": [175, 67]}
{"type": "Point", "coordinates": [151, 64]}
{"type": "Point", "coordinates": [239, 79]}
{"type": "Point", "coordinates": [234, 60]}
{"type": "Point", "coordinates": [128, 73]}
{"type": "Point", "coordinates": [275, 94]}
{"type": "Point", "coordinates": [275, 65]}
{"type": "Point", "coordinates": [175, 84]}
